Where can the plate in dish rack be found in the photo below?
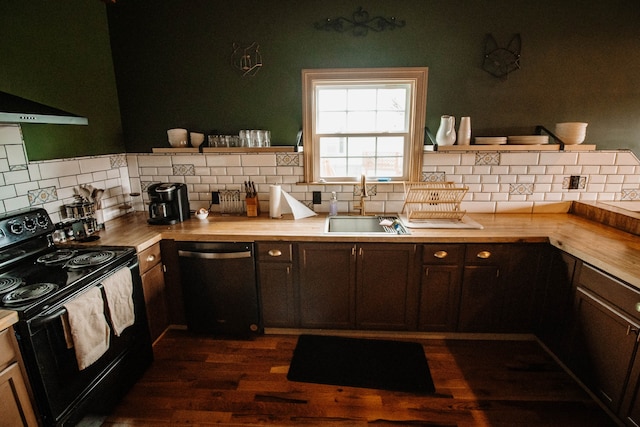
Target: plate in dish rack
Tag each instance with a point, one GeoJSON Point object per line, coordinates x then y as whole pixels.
{"type": "Point", "coordinates": [528, 139]}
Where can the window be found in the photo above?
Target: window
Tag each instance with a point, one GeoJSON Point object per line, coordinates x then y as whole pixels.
{"type": "Point", "coordinates": [363, 121]}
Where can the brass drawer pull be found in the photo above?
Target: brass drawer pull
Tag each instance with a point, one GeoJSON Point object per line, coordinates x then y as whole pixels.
{"type": "Point", "coordinates": [638, 307]}
{"type": "Point", "coordinates": [484, 254]}
{"type": "Point", "coordinates": [151, 258]}
{"type": "Point", "coordinates": [275, 252]}
{"type": "Point", "coordinates": [441, 254]}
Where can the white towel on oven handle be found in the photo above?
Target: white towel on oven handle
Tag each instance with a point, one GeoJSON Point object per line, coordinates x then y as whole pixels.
{"type": "Point", "coordinates": [118, 289]}
{"type": "Point", "coordinates": [89, 328]}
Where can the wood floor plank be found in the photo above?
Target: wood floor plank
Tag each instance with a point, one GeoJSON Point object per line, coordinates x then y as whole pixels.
{"type": "Point", "coordinates": [204, 381]}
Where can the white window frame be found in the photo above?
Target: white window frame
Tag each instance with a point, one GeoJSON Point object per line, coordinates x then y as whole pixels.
{"type": "Point", "coordinates": [416, 77]}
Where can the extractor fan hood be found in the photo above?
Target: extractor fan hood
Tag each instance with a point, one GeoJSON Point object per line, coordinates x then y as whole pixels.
{"type": "Point", "coordinates": [14, 109]}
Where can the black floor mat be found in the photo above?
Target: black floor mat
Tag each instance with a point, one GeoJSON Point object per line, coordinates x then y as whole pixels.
{"type": "Point", "coordinates": [356, 362]}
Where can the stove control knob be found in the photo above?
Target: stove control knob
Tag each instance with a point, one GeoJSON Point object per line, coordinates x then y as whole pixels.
{"type": "Point", "coordinates": [29, 224]}
{"type": "Point", "coordinates": [42, 221]}
{"type": "Point", "coordinates": [16, 227]}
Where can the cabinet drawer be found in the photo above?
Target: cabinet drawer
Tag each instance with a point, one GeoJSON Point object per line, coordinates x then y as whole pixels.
{"type": "Point", "coordinates": [149, 258]}
{"type": "Point", "coordinates": [274, 252]}
{"type": "Point", "coordinates": [7, 350]}
{"type": "Point", "coordinates": [611, 289]}
{"type": "Point", "coordinates": [442, 254]}
{"type": "Point", "coordinates": [487, 254]}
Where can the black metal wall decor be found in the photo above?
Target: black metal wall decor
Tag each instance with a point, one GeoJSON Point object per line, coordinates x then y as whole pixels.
{"type": "Point", "coordinates": [248, 59]}
{"type": "Point", "coordinates": [359, 24]}
{"type": "Point", "coordinates": [500, 61]}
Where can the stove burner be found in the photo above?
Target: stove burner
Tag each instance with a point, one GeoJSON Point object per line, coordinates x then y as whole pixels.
{"type": "Point", "coordinates": [28, 293]}
{"type": "Point", "coordinates": [56, 256]}
{"type": "Point", "coordinates": [91, 258]}
{"type": "Point", "coordinates": [9, 283]}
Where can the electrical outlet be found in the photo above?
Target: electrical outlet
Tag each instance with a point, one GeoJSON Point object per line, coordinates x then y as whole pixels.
{"type": "Point", "coordinates": [574, 182]}
{"type": "Point", "coordinates": [215, 197]}
{"type": "Point", "coordinates": [317, 198]}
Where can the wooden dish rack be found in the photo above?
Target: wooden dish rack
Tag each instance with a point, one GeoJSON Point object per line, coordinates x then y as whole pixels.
{"type": "Point", "coordinates": [433, 200]}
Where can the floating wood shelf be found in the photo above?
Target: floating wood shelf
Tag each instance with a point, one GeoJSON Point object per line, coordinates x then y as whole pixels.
{"type": "Point", "coordinates": [513, 147]}
{"type": "Point", "coordinates": [277, 149]}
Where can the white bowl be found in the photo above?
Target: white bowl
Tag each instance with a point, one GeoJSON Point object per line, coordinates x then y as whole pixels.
{"type": "Point", "coordinates": [196, 139]}
{"type": "Point", "coordinates": [178, 138]}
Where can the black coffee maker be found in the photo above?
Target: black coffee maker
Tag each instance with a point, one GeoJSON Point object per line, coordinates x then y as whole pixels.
{"type": "Point", "coordinates": [169, 203]}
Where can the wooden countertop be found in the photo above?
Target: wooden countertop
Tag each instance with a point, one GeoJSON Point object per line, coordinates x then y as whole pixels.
{"type": "Point", "coordinates": [581, 235]}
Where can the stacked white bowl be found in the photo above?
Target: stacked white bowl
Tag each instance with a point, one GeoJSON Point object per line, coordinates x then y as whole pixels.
{"type": "Point", "coordinates": [178, 137]}
{"type": "Point", "coordinates": [571, 132]}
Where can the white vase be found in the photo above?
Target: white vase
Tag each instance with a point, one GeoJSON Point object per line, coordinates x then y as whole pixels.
{"type": "Point", "coordinates": [464, 131]}
{"type": "Point", "coordinates": [447, 131]}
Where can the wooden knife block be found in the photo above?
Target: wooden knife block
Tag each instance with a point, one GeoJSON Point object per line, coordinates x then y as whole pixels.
{"type": "Point", "coordinates": [253, 206]}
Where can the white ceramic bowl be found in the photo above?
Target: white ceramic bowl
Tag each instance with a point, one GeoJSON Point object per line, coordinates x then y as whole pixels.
{"type": "Point", "coordinates": [178, 138]}
{"type": "Point", "coordinates": [196, 139]}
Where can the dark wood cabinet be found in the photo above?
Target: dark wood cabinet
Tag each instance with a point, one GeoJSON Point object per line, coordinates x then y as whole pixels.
{"type": "Point", "coordinates": [386, 286]}
{"type": "Point", "coordinates": [555, 313]}
{"type": "Point", "coordinates": [153, 285]}
{"type": "Point", "coordinates": [326, 286]}
{"type": "Point", "coordinates": [502, 287]}
{"type": "Point", "coordinates": [275, 280]}
{"type": "Point", "coordinates": [604, 341]}
{"type": "Point", "coordinates": [362, 286]}
{"type": "Point", "coordinates": [440, 287]}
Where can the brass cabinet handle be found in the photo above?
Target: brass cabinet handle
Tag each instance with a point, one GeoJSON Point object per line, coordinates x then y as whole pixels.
{"type": "Point", "coordinates": [638, 307]}
{"type": "Point", "coordinates": [484, 254]}
{"type": "Point", "coordinates": [275, 252]}
{"type": "Point", "coordinates": [441, 254]}
{"type": "Point", "coordinates": [151, 257]}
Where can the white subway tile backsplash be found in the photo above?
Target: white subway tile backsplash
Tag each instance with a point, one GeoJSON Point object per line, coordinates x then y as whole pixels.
{"type": "Point", "coordinates": [94, 164]}
{"type": "Point", "coordinates": [16, 154]}
{"type": "Point", "coordinates": [16, 177]}
{"type": "Point", "coordinates": [147, 161]}
{"type": "Point", "coordinates": [597, 158]}
{"type": "Point", "coordinates": [554, 158]}
{"type": "Point", "coordinates": [516, 158]}
{"type": "Point", "coordinates": [10, 134]}
{"type": "Point", "coordinates": [56, 169]}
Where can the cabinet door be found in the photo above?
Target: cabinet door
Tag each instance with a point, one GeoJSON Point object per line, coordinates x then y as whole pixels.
{"type": "Point", "coordinates": [386, 290]}
{"type": "Point", "coordinates": [327, 273]}
{"type": "Point", "coordinates": [154, 298]}
{"type": "Point", "coordinates": [439, 298]}
{"type": "Point", "coordinates": [276, 291]}
{"type": "Point", "coordinates": [523, 279]}
{"type": "Point", "coordinates": [555, 314]}
{"type": "Point", "coordinates": [602, 347]}
{"type": "Point", "coordinates": [481, 299]}
{"type": "Point", "coordinates": [440, 287]}
{"type": "Point", "coordinates": [15, 405]}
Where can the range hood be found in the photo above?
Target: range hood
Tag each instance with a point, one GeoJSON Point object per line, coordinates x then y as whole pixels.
{"type": "Point", "coordinates": [14, 109]}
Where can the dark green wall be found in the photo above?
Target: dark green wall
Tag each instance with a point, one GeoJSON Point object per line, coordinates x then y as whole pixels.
{"type": "Point", "coordinates": [58, 53]}
{"type": "Point", "coordinates": [580, 62]}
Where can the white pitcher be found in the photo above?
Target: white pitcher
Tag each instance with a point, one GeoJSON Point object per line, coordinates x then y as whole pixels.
{"type": "Point", "coordinates": [447, 131]}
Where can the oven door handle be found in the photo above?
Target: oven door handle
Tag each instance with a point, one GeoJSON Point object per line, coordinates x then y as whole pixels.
{"type": "Point", "coordinates": [44, 318]}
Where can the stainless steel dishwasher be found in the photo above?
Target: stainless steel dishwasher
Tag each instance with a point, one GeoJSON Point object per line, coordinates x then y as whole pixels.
{"type": "Point", "coordinates": [220, 288]}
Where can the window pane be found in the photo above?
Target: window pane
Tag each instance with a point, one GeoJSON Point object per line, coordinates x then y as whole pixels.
{"type": "Point", "coordinates": [362, 146]}
{"type": "Point", "coordinates": [391, 122]}
{"type": "Point", "coordinates": [392, 99]}
{"type": "Point", "coordinates": [361, 121]}
{"type": "Point", "coordinates": [332, 122]}
{"type": "Point", "coordinates": [362, 99]}
{"type": "Point", "coordinates": [332, 99]}
{"type": "Point", "coordinates": [332, 147]}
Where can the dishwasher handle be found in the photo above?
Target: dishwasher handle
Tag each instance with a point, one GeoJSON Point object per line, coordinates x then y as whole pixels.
{"type": "Point", "coordinates": [215, 255]}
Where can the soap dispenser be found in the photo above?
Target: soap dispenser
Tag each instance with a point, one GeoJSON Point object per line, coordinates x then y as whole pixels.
{"type": "Point", "coordinates": [333, 204]}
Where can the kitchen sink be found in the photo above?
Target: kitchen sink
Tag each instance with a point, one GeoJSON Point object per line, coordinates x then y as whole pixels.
{"type": "Point", "coordinates": [356, 225]}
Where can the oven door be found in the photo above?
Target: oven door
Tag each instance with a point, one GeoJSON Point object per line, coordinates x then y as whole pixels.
{"type": "Point", "coordinates": [63, 392]}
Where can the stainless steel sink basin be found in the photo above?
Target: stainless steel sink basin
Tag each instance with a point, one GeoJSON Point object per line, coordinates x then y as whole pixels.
{"type": "Point", "coordinates": [362, 225]}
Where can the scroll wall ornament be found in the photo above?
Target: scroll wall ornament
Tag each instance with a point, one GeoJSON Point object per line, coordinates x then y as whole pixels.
{"type": "Point", "coordinates": [359, 24]}
{"type": "Point", "coordinates": [248, 59]}
{"type": "Point", "coordinates": [500, 61]}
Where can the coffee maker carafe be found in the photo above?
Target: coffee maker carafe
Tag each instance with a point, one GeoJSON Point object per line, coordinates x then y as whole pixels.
{"type": "Point", "coordinates": [169, 203]}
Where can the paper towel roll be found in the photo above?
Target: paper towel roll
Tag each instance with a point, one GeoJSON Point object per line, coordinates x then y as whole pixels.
{"type": "Point", "coordinates": [275, 197]}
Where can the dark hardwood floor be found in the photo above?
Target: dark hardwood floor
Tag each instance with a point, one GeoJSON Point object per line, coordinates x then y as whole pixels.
{"type": "Point", "coordinates": [197, 380]}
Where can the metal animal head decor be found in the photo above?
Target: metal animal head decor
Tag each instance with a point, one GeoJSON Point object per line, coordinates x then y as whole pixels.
{"type": "Point", "coordinates": [500, 61]}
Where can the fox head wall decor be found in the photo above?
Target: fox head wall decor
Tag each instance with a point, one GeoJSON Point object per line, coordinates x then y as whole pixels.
{"type": "Point", "coordinates": [500, 61]}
